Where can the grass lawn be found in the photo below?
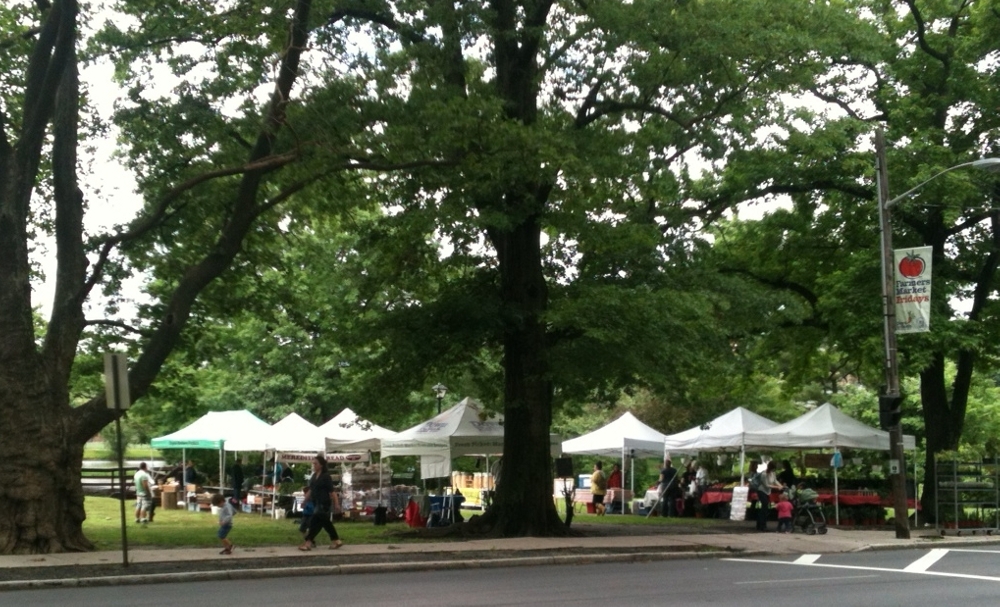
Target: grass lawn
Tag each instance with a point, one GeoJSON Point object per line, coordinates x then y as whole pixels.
{"type": "Point", "coordinates": [181, 528]}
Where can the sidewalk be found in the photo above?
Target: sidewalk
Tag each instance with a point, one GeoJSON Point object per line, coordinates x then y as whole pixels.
{"type": "Point", "coordinates": [168, 565]}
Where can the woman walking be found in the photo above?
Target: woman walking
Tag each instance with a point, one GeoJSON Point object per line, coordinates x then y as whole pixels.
{"type": "Point", "coordinates": [321, 496]}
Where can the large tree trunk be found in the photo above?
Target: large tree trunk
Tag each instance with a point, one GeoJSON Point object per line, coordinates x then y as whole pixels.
{"type": "Point", "coordinates": [41, 498]}
{"type": "Point", "coordinates": [523, 504]}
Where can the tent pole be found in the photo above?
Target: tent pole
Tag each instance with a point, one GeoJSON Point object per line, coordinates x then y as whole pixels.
{"type": "Point", "coordinates": [743, 454]}
{"type": "Point", "coordinates": [274, 485]}
{"type": "Point", "coordinates": [916, 510]}
{"type": "Point", "coordinates": [183, 482]}
{"type": "Point", "coordinates": [623, 480]}
{"type": "Point", "coordinates": [379, 476]}
{"type": "Point", "coordinates": [222, 470]}
{"type": "Point", "coordinates": [836, 488]}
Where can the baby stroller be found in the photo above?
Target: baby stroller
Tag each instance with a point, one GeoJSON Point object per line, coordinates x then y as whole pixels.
{"type": "Point", "coordinates": [807, 513]}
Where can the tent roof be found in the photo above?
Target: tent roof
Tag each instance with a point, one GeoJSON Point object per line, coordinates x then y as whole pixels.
{"type": "Point", "coordinates": [461, 430]}
{"type": "Point", "coordinates": [294, 433]}
{"type": "Point", "coordinates": [625, 433]}
{"type": "Point", "coordinates": [346, 428]}
{"type": "Point", "coordinates": [728, 431]}
{"type": "Point", "coordinates": [212, 430]}
{"type": "Point", "coordinates": [824, 426]}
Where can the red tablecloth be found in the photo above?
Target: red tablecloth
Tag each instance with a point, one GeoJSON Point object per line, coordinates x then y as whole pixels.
{"type": "Point", "coordinates": [716, 496]}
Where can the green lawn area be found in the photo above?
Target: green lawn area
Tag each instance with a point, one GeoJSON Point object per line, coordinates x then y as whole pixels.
{"type": "Point", "coordinates": [181, 528]}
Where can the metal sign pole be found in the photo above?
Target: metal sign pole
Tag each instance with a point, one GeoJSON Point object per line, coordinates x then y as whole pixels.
{"type": "Point", "coordinates": [116, 393]}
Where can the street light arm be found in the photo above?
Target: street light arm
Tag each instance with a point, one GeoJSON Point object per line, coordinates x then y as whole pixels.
{"type": "Point", "coordinates": [982, 163]}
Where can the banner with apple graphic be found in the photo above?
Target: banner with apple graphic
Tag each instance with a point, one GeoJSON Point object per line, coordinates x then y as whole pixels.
{"type": "Point", "coordinates": [913, 289]}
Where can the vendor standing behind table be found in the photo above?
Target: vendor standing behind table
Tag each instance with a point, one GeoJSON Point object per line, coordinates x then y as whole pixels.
{"type": "Point", "coordinates": [237, 473]}
{"type": "Point", "coordinates": [615, 480]}
{"type": "Point", "coordinates": [190, 474]}
{"type": "Point", "coordinates": [787, 476]}
{"type": "Point", "coordinates": [598, 488]}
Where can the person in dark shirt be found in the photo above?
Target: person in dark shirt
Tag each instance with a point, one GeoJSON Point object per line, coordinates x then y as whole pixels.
{"type": "Point", "coordinates": [237, 473]}
{"type": "Point", "coordinates": [190, 474]}
{"type": "Point", "coordinates": [787, 476]}
{"type": "Point", "coordinates": [320, 494]}
{"type": "Point", "coordinates": [669, 489]}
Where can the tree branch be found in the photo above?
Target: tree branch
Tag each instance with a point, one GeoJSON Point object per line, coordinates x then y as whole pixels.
{"type": "Point", "coordinates": [230, 238]}
{"type": "Point", "coordinates": [145, 223]}
{"type": "Point", "coordinates": [66, 321]}
{"type": "Point", "coordinates": [922, 33]}
{"type": "Point", "coordinates": [406, 33]}
{"type": "Point", "coordinates": [107, 322]}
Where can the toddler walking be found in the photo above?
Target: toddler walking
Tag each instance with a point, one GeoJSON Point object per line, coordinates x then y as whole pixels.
{"type": "Point", "coordinates": [226, 512]}
{"type": "Point", "coordinates": [784, 508]}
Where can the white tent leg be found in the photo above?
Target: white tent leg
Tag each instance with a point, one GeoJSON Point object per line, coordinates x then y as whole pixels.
{"type": "Point", "coordinates": [743, 456]}
{"type": "Point", "coordinates": [916, 511]}
{"type": "Point", "coordinates": [836, 489]}
{"type": "Point", "coordinates": [623, 481]}
{"type": "Point", "coordinates": [274, 486]}
{"type": "Point", "coordinates": [182, 482]}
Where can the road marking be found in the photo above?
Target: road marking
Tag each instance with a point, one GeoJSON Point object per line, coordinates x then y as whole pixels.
{"type": "Point", "coordinates": [924, 563]}
{"type": "Point", "coordinates": [807, 579]}
{"type": "Point", "coordinates": [964, 576]}
{"type": "Point", "coordinates": [807, 559]}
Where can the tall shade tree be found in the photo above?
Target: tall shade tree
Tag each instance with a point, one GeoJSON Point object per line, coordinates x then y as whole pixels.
{"type": "Point", "coordinates": [926, 73]}
{"type": "Point", "coordinates": [571, 126]}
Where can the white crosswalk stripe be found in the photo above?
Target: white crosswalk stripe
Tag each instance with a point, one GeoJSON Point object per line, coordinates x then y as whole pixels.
{"type": "Point", "coordinates": [920, 566]}
{"type": "Point", "coordinates": [924, 563]}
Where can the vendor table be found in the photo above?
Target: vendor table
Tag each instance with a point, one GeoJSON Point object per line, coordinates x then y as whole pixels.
{"type": "Point", "coordinates": [848, 497]}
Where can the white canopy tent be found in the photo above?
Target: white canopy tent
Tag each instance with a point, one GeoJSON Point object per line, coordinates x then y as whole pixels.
{"type": "Point", "coordinates": [346, 428]}
{"type": "Point", "coordinates": [625, 437]}
{"type": "Point", "coordinates": [724, 433]}
{"type": "Point", "coordinates": [461, 430]}
{"type": "Point", "coordinates": [825, 427]}
{"type": "Point", "coordinates": [345, 432]}
{"type": "Point", "coordinates": [212, 431]}
{"type": "Point", "coordinates": [295, 433]}
{"type": "Point", "coordinates": [622, 436]}
{"type": "Point", "coordinates": [464, 429]}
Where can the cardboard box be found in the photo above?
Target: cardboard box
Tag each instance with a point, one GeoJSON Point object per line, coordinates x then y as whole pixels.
{"type": "Point", "coordinates": [168, 500]}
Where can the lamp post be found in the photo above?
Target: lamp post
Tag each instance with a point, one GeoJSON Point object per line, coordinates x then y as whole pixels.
{"type": "Point", "coordinates": [439, 391]}
{"type": "Point", "coordinates": [890, 400]}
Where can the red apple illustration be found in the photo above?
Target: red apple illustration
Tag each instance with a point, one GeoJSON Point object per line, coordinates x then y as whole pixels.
{"type": "Point", "coordinates": [911, 266]}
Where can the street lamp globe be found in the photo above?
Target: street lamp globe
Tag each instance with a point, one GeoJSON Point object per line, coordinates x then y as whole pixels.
{"type": "Point", "coordinates": [439, 391]}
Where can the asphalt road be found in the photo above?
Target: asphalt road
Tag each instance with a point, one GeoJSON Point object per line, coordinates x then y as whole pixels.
{"type": "Point", "coordinates": [936, 577]}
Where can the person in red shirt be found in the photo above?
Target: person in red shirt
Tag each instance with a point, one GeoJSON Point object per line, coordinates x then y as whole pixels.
{"type": "Point", "coordinates": [615, 480]}
{"type": "Point", "coordinates": [784, 508]}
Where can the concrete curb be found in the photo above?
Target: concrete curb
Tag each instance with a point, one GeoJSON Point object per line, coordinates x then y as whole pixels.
{"type": "Point", "coordinates": [303, 571]}
{"type": "Point", "coordinates": [932, 542]}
